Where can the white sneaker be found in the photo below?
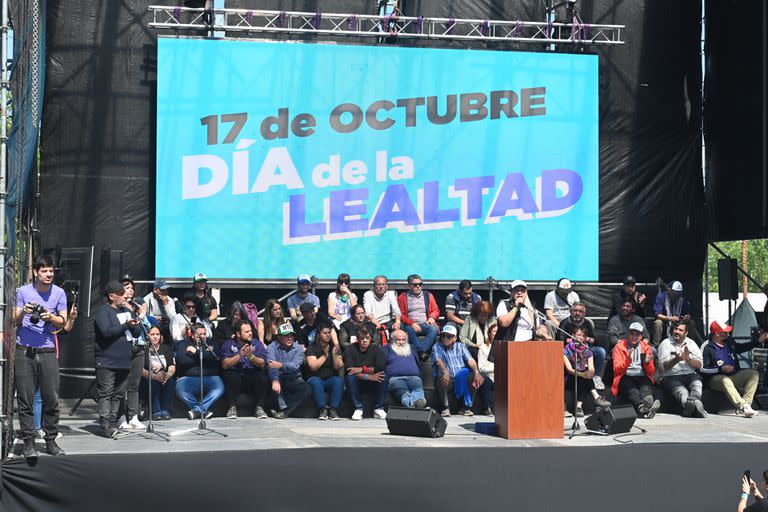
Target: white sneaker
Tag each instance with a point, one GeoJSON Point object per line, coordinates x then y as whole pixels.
{"type": "Point", "coordinates": [124, 426]}
{"type": "Point", "coordinates": [135, 424]}
{"type": "Point", "coordinates": [380, 413]}
{"type": "Point", "coordinates": [749, 412]}
{"type": "Point", "coordinates": [599, 384]}
{"type": "Point", "coordinates": [357, 415]}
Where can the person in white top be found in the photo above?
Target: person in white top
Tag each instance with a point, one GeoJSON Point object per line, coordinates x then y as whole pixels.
{"type": "Point", "coordinates": [381, 305]}
{"type": "Point", "coordinates": [558, 302]}
{"type": "Point", "coordinates": [681, 359]}
{"type": "Point", "coordinates": [341, 300]}
{"type": "Point", "coordinates": [516, 316]}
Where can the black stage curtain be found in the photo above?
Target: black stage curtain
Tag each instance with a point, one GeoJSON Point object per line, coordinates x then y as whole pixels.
{"type": "Point", "coordinates": [627, 478]}
{"type": "Point", "coordinates": [734, 128]}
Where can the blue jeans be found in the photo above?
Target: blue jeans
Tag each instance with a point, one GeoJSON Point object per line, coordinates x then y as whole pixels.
{"type": "Point", "coordinates": [188, 390]}
{"type": "Point", "coordinates": [334, 385]}
{"type": "Point", "coordinates": [486, 390]}
{"type": "Point", "coordinates": [599, 359]}
{"type": "Point", "coordinates": [162, 395]}
{"type": "Point", "coordinates": [407, 390]}
{"type": "Point", "coordinates": [428, 331]}
{"type": "Point", "coordinates": [37, 410]}
{"type": "Point", "coordinates": [356, 386]}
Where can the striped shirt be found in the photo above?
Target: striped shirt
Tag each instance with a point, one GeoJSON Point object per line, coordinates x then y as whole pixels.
{"type": "Point", "coordinates": [455, 358]}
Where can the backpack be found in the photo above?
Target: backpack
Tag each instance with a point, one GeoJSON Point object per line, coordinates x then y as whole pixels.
{"type": "Point", "coordinates": [253, 313]}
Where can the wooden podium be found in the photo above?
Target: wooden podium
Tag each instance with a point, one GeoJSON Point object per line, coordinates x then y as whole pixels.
{"type": "Point", "coordinates": [528, 389]}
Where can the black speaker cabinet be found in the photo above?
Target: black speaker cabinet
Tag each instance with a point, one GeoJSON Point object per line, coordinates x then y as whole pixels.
{"type": "Point", "coordinates": [404, 421]}
{"type": "Point", "coordinates": [727, 279]}
{"type": "Point", "coordinates": [616, 420]}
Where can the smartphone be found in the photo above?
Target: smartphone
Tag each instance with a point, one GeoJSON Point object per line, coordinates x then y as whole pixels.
{"type": "Point", "coordinates": [748, 475]}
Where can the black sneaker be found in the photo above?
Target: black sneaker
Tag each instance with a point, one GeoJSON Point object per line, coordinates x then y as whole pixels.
{"type": "Point", "coordinates": [333, 415]}
{"type": "Point", "coordinates": [699, 409]}
{"type": "Point", "coordinates": [260, 414]}
{"type": "Point", "coordinates": [109, 432]}
{"type": "Point", "coordinates": [30, 452]}
{"type": "Point", "coordinates": [232, 413]}
{"type": "Point", "coordinates": [323, 414]}
{"type": "Point", "coordinates": [52, 448]}
{"type": "Point", "coordinates": [280, 415]}
{"type": "Point", "coordinates": [688, 409]}
{"type": "Point", "coordinates": [487, 412]}
{"type": "Point", "coordinates": [423, 357]}
{"type": "Point", "coordinates": [420, 403]}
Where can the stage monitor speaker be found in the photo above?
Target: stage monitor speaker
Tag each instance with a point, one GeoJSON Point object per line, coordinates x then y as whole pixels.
{"type": "Point", "coordinates": [615, 420]}
{"type": "Point", "coordinates": [405, 421]}
{"type": "Point", "coordinates": [727, 279]}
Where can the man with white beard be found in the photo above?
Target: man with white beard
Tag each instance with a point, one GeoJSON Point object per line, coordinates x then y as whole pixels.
{"type": "Point", "coordinates": [402, 371]}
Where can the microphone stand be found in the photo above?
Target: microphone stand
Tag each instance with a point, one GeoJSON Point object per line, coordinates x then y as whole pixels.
{"type": "Point", "coordinates": [150, 430]}
{"type": "Point", "coordinates": [202, 429]}
{"type": "Point", "coordinates": [576, 426]}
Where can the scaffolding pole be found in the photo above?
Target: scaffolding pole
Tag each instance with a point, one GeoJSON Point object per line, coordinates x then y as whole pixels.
{"type": "Point", "coordinates": [4, 86]}
{"type": "Point", "coordinates": [261, 22]}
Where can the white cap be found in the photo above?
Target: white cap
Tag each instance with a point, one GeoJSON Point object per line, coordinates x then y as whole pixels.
{"type": "Point", "coordinates": [304, 277]}
{"type": "Point", "coordinates": [564, 284]}
{"type": "Point", "coordinates": [677, 286]}
{"type": "Point", "coordinates": [200, 277]}
{"type": "Point", "coordinates": [449, 329]}
{"type": "Point", "coordinates": [516, 283]}
{"type": "Point", "coordinates": [636, 326]}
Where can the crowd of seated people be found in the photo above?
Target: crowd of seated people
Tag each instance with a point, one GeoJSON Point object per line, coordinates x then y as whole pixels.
{"type": "Point", "coordinates": [378, 347]}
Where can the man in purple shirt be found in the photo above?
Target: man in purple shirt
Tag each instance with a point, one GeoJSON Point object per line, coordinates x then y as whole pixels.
{"type": "Point", "coordinates": [243, 361]}
{"type": "Point", "coordinates": [40, 311]}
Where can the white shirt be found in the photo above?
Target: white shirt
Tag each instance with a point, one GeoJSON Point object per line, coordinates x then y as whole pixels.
{"type": "Point", "coordinates": [560, 307]}
{"type": "Point", "coordinates": [681, 368]}
{"type": "Point", "coordinates": [180, 321]}
{"type": "Point", "coordinates": [383, 309]}
{"type": "Point", "coordinates": [524, 330]}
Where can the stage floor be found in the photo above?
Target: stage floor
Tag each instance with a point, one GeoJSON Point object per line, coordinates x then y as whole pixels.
{"type": "Point", "coordinates": [82, 436]}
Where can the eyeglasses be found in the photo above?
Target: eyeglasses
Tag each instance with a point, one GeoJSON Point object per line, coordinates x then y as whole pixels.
{"type": "Point", "coordinates": [189, 306]}
{"type": "Point", "coordinates": [416, 285]}
{"type": "Point", "coordinates": [342, 282]}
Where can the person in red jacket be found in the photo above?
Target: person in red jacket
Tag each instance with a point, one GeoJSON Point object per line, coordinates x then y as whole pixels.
{"type": "Point", "coordinates": [633, 371]}
{"type": "Point", "coordinates": [419, 316]}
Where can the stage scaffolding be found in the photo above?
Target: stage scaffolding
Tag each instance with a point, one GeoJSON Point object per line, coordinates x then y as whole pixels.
{"type": "Point", "coordinates": [246, 22]}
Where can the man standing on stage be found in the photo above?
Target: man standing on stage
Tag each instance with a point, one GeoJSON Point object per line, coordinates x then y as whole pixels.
{"type": "Point", "coordinates": [41, 310]}
{"type": "Point", "coordinates": [114, 329]}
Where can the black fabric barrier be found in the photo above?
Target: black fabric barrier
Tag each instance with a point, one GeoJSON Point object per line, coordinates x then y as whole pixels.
{"type": "Point", "coordinates": [627, 478]}
{"type": "Point", "coordinates": [734, 128]}
{"type": "Point", "coordinates": [98, 133]}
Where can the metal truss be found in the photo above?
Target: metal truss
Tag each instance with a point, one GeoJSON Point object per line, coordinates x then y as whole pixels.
{"type": "Point", "coordinates": [361, 25]}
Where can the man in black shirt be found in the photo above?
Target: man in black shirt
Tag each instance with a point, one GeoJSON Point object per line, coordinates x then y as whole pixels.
{"type": "Point", "coordinates": [365, 373]}
{"type": "Point", "coordinates": [306, 330]}
{"type": "Point", "coordinates": [324, 361]}
{"type": "Point", "coordinates": [207, 307]}
{"type": "Point", "coordinates": [629, 292]}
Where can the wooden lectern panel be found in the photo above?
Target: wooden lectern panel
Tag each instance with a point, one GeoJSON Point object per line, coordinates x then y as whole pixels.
{"type": "Point", "coordinates": [528, 389]}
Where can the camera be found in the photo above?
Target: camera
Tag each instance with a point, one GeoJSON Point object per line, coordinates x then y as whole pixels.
{"type": "Point", "coordinates": [37, 310]}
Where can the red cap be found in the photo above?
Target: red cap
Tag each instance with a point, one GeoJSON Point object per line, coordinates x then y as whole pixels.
{"type": "Point", "coordinates": [717, 327]}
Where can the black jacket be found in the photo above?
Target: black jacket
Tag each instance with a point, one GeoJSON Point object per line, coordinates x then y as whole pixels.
{"type": "Point", "coordinates": [710, 366]}
{"type": "Point", "coordinates": [112, 349]}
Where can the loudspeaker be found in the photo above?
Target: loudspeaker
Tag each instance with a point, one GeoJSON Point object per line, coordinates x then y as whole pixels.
{"type": "Point", "coordinates": [404, 421]}
{"type": "Point", "coordinates": [727, 279]}
{"type": "Point", "coordinates": [615, 420]}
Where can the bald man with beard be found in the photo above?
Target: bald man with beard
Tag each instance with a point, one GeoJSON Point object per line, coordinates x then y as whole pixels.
{"type": "Point", "coordinates": [402, 371]}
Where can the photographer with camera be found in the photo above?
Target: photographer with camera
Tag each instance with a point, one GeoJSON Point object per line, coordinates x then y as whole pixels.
{"type": "Point", "coordinates": [115, 328]}
{"type": "Point", "coordinates": [41, 310]}
{"type": "Point", "coordinates": [748, 486]}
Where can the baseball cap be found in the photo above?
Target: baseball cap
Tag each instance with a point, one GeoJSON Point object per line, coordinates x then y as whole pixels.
{"type": "Point", "coordinates": [516, 283]}
{"type": "Point", "coordinates": [304, 277]}
{"type": "Point", "coordinates": [676, 286]}
{"type": "Point", "coordinates": [306, 306]}
{"type": "Point", "coordinates": [717, 327]}
{"type": "Point", "coordinates": [160, 284]}
{"type": "Point", "coordinates": [200, 277]}
{"type": "Point", "coordinates": [564, 284]}
{"type": "Point", "coordinates": [285, 328]}
{"type": "Point", "coordinates": [630, 279]}
{"type": "Point", "coordinates": [114, 287]}
{"type": "Point", "coordinates": [636, 326]}
{"type": "Point", "coordinates": [449, 329]}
